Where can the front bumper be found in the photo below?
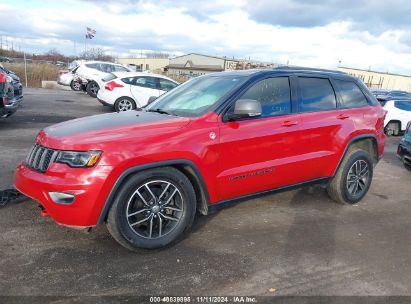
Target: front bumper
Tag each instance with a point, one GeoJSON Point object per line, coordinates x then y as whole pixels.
{"type": "Point", "coordinates": [86, 184]}
{"type": "Point", "coordinates": [11, 108]}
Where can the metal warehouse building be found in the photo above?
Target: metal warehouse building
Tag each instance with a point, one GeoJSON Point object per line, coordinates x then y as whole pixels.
{"type": "Point", "coordinates": [193, 64]}
{"type": "Point", "coordinates": [146, 64]}
{"type": "Point", "coordinates": [379, 80]}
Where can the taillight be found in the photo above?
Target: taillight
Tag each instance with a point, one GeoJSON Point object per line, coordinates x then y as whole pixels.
{"type": "Point", "coordinates": [61, 72]}
{"type": "Point", "coordinates": [112, 85]}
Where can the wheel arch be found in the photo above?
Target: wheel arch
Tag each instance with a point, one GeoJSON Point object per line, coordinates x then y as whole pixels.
{"type": "Point", "coordinates": [366, 142]}
{"type": "Point", "coordinates": [394, 121]}
{"type": "Point", "coordinates": [187, 167]}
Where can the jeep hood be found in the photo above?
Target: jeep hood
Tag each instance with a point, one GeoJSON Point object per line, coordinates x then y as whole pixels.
{"type": "Point", "coordinates": [99, 129]}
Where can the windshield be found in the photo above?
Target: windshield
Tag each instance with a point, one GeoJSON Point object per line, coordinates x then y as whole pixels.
{"type": "Point", "coordinates": [197, 96]}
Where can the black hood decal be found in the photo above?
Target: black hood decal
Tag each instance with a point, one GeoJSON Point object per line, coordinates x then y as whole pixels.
{"type": "Point", "coordinates": [104, 121]}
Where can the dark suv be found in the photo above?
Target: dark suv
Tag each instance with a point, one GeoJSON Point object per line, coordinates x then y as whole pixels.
{"type": "Point", "coordinates": [214, 140]}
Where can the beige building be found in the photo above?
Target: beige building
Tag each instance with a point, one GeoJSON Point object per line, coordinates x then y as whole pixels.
{"type": "Point", "coordinates": [379, 80]}
{"type": "Point", "coordinates": [146, 64]}
{"type": "Point", "coordinates": [193, 65]}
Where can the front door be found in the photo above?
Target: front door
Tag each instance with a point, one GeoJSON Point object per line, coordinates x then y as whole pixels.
{"type": "Point", "coordinates": [260, 153]}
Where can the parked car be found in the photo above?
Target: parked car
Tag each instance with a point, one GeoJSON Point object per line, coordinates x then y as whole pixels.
{"type": "Point", "coordinates": [398, 115]}
{"type": "Point", "coordinates": [404, 148]}
{"type": "Point", "coordinates": [5, 59]}
{"type": "Point", "coordinates": [214, 140]}
{"type": "Point", "coordinates": [384, 96]}
{"type": "Point", "coordinates": [67, 77]}
{"type": "Point", "coordinates": [130, 91]}
{"type": "Point", "coordinates": [91, 74]}
{"type": "Point", "coordinates": [8, 102]}
{"type": "Point", "coordinates": [15, 82]}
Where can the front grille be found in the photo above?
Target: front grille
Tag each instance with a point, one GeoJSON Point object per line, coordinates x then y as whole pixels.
{"type": "Point", "coordinates": [40, 158]}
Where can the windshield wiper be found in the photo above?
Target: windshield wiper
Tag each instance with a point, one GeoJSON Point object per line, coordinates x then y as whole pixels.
{"type": "Point", "coordinates": [161, 111]}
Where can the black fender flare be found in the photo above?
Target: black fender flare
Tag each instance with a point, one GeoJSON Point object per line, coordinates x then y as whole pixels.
{"type": "Point", "coordinates": [132, 170]}
{"type": "Point", "coordinates": [351, 142]}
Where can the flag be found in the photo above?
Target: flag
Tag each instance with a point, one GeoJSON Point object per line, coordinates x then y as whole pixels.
{"type": "Point", "coordinates": [90, 33]}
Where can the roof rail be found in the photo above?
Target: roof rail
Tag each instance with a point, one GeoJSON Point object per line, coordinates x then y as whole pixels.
{"type": "Point", "coordinates": [309, 69]}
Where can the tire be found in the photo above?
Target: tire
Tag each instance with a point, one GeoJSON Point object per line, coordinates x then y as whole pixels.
{"type": "Point", "coordinates": [392, 129]}
{"type": "Point", "coordinates": [125, 104]}
{"type": "Point", "coordinates": [135, 209]}
{"type": "Point", "coordinates": [92, 89]}
{"type": "Point", "coordinates": [340, 189]}
{"type": "Point", "coordinates": [75, 86]}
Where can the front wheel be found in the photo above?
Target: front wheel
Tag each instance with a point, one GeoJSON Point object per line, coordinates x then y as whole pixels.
{"type": "Point", "coordinates": [154, 208]}
{"type": "Point", "coordinates": [92, 89]}
{"type": "Point", "coordinates": [353, 178]}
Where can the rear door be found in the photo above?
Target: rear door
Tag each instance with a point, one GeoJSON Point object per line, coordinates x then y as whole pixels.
{"type": "Point", "coordinates": [321, 123]}
{"type": "Point", "coordinates": [144, 87]}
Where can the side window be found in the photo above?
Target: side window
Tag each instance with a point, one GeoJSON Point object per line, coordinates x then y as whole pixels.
{"type": "Point", "coordinates": [166, 85]}
{"type": "Point", "coordinates": [146, 82]}
{"type": "Point", "coordinates": [119, 68]}
{"type": "Point", "coordinates": [95, 66]}
{"type": "Point", "coordinates": [351, 94]}
{"type": "Point", "coordinates": [317, 94]}
{"type": "Point", "coordinates": [404, 105]}
{"type": "Point", "coordinates": [273, 94]}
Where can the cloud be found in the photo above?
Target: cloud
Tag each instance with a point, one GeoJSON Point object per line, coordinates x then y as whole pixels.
{"type": "Point", "coordinates": [306, 33]}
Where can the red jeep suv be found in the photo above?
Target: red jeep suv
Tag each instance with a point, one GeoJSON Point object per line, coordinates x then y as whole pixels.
{"type": "Point", "coordinates": [212, 141]}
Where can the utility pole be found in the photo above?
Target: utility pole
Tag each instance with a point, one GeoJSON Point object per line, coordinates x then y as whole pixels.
{"type": "Point", "coordinates": [25, 67]}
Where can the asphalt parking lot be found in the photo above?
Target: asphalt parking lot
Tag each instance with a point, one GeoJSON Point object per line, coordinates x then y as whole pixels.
{"type": "Point", "coordinates": [292, 243]}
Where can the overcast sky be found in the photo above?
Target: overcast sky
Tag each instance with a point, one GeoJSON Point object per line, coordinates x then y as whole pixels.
{"type": "Point", "coordinates": [315, 33]}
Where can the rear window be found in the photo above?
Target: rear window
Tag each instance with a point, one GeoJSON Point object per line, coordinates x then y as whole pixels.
{"type": "Point", "coordinates": [403, 105]}
{"type": "Point", "coordinates": [317, 94]}
{"type": "Point", "coordinates": [351, 94]}
{"type": "Point", "coordinates": [109, 77]}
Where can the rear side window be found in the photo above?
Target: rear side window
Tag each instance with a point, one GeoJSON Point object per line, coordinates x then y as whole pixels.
{"type": "Point", "coordinates": [147, 82]}
{"type": "Point", "coordinates": [109, 77]}
{"type": "Point", "coordinates": [317, 94]}
{"type": "Point", "coordinates": [95, 66]}
{"type": "Point", "coordinates": [403, 105]}
{"type": "Point", "coordinates": [119, 68]}
{"type": "Point", "coordinates": [273, 94]}
{"type": "Point", "coordinates": [166, 85]}
{"type": "Point", "coordinates": [351, 95]}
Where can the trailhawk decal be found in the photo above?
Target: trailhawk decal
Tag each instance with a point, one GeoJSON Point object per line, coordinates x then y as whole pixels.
{"type": "Point", "coordinates": [234, 178]}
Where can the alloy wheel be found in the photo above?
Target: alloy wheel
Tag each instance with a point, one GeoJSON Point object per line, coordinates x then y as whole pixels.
{"type": "Point", "coordinates": [155, 209]}
{"type": "Point", "coordinates": [358, 177]}
{"type": "Point", "coordinates": [125, 105]}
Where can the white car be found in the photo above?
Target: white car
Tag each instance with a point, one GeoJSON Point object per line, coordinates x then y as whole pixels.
{"type": "Point", "coordinates": [130, 91]}
{"type": "Point", "coordinates": [398, 115]}
{"type": "Point", "coordinates": [91, 74]}
{"type": "Point", "coordinates": [66, 76]}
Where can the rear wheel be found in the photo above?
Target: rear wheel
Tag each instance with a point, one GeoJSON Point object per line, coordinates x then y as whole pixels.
{"type": "Point", "coordinates": [154, 208]}
{"type": "Point", "coordinates": [392, 128]}
{"type": "Point", "coordinates": [353, 178]}
{"type": "Point", "coordinates": [75, 86]}
{"type": "Point", "coordinates": [125, 104]}
{"type": "Point", "coordinates": [92, 89]}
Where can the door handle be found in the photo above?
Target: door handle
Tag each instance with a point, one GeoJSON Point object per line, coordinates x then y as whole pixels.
{"type": "Point", "coordinates": [343, 116]}
{"type": "Point", "coordinates": [289, 123]}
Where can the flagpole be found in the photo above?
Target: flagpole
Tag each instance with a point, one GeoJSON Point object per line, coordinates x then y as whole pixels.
{"type": "Point", "coordinates": [85, 42]}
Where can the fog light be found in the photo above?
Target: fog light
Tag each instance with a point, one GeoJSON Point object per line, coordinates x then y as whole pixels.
{"type": "Point", "coordinates": [62, 198]}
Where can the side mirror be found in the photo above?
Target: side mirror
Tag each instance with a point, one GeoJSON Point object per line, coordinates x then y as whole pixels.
{"type": "Point", "coordinates": [151, 99]}
{"type": "Point", "coordinates": [245, 108]}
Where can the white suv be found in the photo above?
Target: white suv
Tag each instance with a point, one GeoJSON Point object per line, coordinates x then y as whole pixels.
{"type": "Point", "coordinates": [398, 115]}
{"type": "Point", "coordinates": [130, 91]}
{"type": "Point", "coordinates": [91, 73]}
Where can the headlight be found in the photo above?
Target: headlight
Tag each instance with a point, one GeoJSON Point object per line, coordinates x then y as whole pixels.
{"type": "Point", "coordinates": [78, 159]}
